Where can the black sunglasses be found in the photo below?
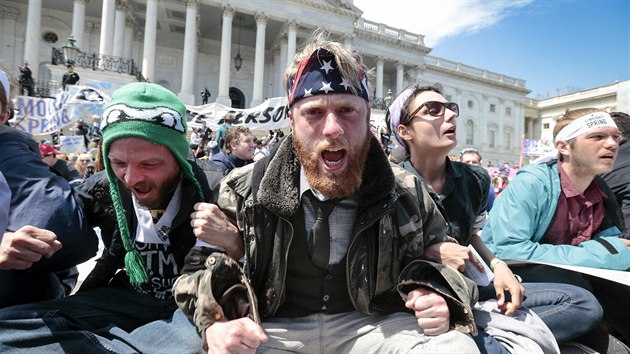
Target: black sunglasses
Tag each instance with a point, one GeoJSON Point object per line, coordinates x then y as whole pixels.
{"type": "Point", "coordinates": [437, 109]}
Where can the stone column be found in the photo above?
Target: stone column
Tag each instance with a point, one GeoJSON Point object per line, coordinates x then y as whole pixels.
{"type": "Point", "coordinates": [400, 70]}
{"type": "Point", "coordinates": [8, 34]}
{"type": "Point", "coordinates": [190, 50]}
{"type": "Point", "coordinates": [78, 22]}
{"type": "Point", "coordinates": [291, 40]}
{"type": "Point", "coordinates": [119, 28]}
{"type": "Point", "coordinates": [150, 32]}
{"type": "Point", "coordinates": [107, 27]}
{"type": "Point", "coordinates": [129, 27]}
{"type": "Point", "coordinates": [530, 128]}
{"type": "Point", "coordinates": [347, 41]}
{"type": "Point", "coordinates": [283, 66]}
{"type": "Point", "coordinates": [223, 97]}
{"type": "Point", "coordinates": [259, 61]}
{"type": "Point", "coordinates": [380, 62]}
{"type": "Point", "coordinates": [31, 42]}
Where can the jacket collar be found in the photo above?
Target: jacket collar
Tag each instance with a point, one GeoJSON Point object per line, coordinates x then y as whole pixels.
{"type": "Point", "coordinates": [279, 188]}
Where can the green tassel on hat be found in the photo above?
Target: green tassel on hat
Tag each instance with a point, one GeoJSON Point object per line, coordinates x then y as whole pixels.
{"type": "Point", "coordinates": [155, 114]}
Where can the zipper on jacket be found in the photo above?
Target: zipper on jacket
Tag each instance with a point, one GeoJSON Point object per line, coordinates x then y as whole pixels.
{"type": "Point", "coordinates": [367, 225]}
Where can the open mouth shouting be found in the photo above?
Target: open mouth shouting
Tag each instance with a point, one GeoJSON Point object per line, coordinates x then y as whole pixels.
{"type": "Point", "coordinates": [333, 159]}
{"type": "Point", "coordinates": [450, 132]}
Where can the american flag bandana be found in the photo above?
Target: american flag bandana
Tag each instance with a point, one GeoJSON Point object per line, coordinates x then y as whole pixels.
{"type": "Point", "coordinates": [319, 75]}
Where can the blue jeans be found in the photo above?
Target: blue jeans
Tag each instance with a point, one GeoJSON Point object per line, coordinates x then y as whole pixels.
{"type": "Point", "coordinates": [612, 296]}
{"type": "Point", "coordinates": [104, 320]}
{"type": "Point", "coordinates": [558, 305]}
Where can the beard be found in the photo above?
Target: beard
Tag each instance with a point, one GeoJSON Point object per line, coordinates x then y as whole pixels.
{"type": "Point", "coordinates": [338, 184]}
{"type": "Point", "coordinates": [164, 192]}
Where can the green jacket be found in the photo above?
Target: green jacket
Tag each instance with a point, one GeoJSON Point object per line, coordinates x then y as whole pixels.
{"type": "Point", "coordinates": [396, 220]}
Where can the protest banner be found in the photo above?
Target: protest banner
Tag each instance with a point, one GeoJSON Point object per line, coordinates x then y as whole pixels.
{"type": "Point", "coordinates": [41, 116]}
{"type": "Point", "coordinates": [71, 143]}
{"type": "Point", "coordinates": [269, 115]}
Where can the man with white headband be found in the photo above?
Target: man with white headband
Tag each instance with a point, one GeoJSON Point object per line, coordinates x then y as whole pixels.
{"type": "Point", "coordinates": [562, 212]}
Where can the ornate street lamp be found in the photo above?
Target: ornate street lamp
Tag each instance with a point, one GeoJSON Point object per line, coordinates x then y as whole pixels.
{"type": "Point", "coordinates": [70, 51]}
{"type": "Point", "coordinates": [388, 98]}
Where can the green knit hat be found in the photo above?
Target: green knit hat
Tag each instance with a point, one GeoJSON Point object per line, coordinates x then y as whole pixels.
{"type": "Point", "coordinates": [155, 114]}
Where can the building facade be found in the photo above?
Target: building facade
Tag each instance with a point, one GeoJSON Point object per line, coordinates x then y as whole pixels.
{"type": "Point", "coordinates": [239, 49]}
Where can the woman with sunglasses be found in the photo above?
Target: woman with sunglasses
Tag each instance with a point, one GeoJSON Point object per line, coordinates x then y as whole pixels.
{"type": "Point", "coordinates": [422, 121]}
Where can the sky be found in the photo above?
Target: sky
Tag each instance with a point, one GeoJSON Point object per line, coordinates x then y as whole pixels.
{"type": "Point", "coordinates": [557, 46]}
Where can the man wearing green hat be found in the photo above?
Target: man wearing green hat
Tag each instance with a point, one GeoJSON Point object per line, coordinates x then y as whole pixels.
{"type": "Point", "coordinates": [152, 205]}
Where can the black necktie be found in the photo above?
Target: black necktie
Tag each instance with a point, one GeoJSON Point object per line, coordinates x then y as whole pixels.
{"type": "Point", "coordinates": [319, 238]}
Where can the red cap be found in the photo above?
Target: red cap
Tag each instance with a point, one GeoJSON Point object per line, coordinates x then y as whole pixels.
{"type": "Point", "coordinates": [47, 149]}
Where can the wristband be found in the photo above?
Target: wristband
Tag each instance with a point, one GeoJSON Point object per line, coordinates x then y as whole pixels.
{"type": "Point", "coordinates": [494, 262]}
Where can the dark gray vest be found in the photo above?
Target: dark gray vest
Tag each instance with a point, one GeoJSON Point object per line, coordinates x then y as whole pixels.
{"type": "Point", "coordinates": [309, 289]}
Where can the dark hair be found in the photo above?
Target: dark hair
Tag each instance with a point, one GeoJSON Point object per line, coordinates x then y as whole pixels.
{"type": "Point", "coordinates": [405, 110]}
{"type": "Point", "coordinates": [623, 123]}
{"type": "Point", "coordinates": [469, 150]}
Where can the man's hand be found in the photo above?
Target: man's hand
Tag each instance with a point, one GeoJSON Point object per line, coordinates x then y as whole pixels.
{"type": "Point", "coordinates": [213, 227]}
{"type": "Point", "coordinates": [504, 280]}
{"type": "Point", "coordinates": [627, 242]}
{"type": "Point", "coordinates": [20, 249]}
{"type": "Point", "coordinates": [451, 254]}
{"type": "Point", "coordinates": [237, 336]}
{"type": "Point", "coordinates": [430, 309]}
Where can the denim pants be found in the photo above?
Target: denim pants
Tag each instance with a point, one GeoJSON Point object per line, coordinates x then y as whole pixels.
{"type": "Point", "coordinates": [612, 296]}
{"type": "Point", "coordinates": [104, 320]}
{"type": "Point", "coordinates": [556, 304]}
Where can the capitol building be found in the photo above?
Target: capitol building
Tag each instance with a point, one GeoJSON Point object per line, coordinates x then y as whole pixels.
{"type": "Point", "coordinates": [239, 49]}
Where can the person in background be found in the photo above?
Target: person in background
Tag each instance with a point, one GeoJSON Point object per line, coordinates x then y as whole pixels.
{"type": "Point", "coordinates": [239, 149]}
{"type": "Point", "coordinates": [26, 79]}
{"type": "Point", "coordinates": [69, 78]}
{"type": "Point", "coordinates": [260, 151]}
{"type": "Point", "coordinates": [205, 133]}
{"type": "Point", "coordinates": [619, 178]}
{"type": "Point", "coordinates": [424, 122]}
{"type": "Point", "coordinates": [223, 129]}
{"type": "Point", "coordinates": [82, 163]}
{"type": "Point", "coordinates": [46, 231]}
{"type": "Point", "coordinates": [195, 139]}
{"type": "Point", "coordinates": [60, 167]}
{"type": "Point", "coordinates": [353, 283]}
{"type": "Point", "coordinates": [499, 182]}
{"type": "Point", "coordinates": [150, 203]}
{"type": "Point", "coordinates": [473, 156]}
{"type": "Point", "coordinates": [568, 215]}
{"type": "Point", "coordinates": [205, 95]}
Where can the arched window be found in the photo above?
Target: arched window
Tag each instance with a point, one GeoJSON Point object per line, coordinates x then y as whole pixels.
{"type": "Point", "coordinates": [470, 132]}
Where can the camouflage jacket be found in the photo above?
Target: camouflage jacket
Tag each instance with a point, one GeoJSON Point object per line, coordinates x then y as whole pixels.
{"type": "Point", "coordinates": [396, 220]}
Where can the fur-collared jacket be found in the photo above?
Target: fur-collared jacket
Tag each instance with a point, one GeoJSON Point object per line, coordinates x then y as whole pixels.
{"type": "Point", "coordinates": [396, 220]}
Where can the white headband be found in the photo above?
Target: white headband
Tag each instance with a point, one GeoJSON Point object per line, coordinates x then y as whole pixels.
{"type": "Point", "coordinates": [394, 114]}
{"type": "Point", "coordinates": [5, 82]}
{"type": "Point", "coordinates": [584, 124]}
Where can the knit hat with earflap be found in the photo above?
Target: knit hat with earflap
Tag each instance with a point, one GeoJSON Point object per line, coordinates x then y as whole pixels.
{"type": "Point", "coordinates": [152, 113]}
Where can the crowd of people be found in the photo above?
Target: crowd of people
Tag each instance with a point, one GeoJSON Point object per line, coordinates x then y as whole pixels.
{"type": "Point", "coordinates": [222, 242]}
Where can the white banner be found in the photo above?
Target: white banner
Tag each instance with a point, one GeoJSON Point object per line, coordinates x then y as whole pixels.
{"type": "Point", "coordinates": [269, 115]}
{"type": "Point", "coordinates": [40, 116]}
{"type": "Point", "coordinates": [71, 143]}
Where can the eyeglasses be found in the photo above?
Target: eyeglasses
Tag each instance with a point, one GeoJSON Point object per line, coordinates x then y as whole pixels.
{"type": "Point", "coordinates": [437, 109]}
{"type": "Point", "coordinates": [82, 160]}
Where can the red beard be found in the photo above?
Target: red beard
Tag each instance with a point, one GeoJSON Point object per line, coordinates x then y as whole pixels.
{"type": "Point", "coordinates": [333, 185]}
